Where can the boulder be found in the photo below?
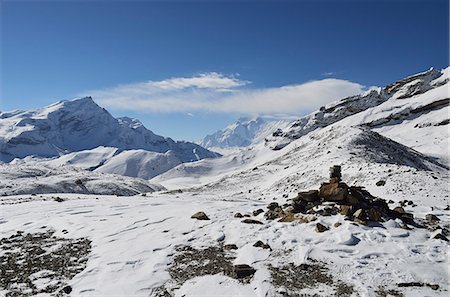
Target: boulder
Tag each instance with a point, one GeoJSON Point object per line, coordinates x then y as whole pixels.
{"type": "Point", "coordinates": [380, 183]}
{"type": "Point", "coordinates": [360, 214]}
{"type": "Point", "coordinates": [200, 215]}
{"type": "Point", "coordinates": [399, 210]}
{"type": "Point", "coordinates": [321, 228]}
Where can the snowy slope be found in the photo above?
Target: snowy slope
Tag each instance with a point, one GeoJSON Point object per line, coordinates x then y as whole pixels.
{"type": "Point", "coordinates": [140, 163]}
{"type": "Point", "coordinates": [413, 111]}
{"type": "Point", "coordinates": [86, 159]}
{"type": "Point", "coordinates": [243, 132]}
{"type": "Point", "coordinates": [69, 126]}
{"type": "Point", "coordinates": [16, 179]}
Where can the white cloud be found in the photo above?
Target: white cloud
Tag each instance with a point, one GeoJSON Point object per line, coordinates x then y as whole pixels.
{"type": "Point", "coordinates": [215, 92]}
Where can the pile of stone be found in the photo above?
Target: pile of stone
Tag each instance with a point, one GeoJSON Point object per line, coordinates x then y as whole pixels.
{"type": "Point", "coordinates": [335, 197]}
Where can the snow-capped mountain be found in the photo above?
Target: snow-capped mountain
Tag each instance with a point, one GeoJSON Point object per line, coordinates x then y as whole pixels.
{"type": "Point", "coordinates": [243, 132]}
{"type": "Point", "coordinates": [70, 126]}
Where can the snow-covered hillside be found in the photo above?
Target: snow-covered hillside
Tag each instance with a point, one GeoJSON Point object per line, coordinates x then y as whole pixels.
{"type": "Point", "coordinates": [80, 124]}
{"type": "Point", "coordinates": [244, 132]}
{"type": "Point", "coordinates": [413, 111]}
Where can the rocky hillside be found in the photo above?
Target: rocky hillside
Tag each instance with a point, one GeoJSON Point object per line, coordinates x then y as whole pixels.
{"type": "Point", "coordinates": [413, 111]}
{"type": "Point", "coordinates": [70, 126]}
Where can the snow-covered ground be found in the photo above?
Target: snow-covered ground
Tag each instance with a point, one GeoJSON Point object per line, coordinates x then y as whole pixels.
{"type": "Point", "coordinates": [134, 241]}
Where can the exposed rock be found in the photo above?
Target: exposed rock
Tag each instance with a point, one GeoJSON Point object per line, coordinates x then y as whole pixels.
{"type": "Point", "coordinates": [243, 271]}
{"type": "Point", "coordinates": [287, 218]}
{"type": "Point", "coordinates": [431, 218]}
{"type": "Point", "coordinates": [335, 172]}
{"type": "Point", "coordinates": [200, 215]}
{"type": "Point", "coordinates": [321, 228]}
{"type": "Point", "coordinates": [337, 224]}
{"type": "Point", "coordinates": [257, 212]}
{"type": "Point", "coordinates": [399, 210]}
{"type": "Point", "coordinates": [251, 221]}
{"type": "Point", "coordinates": [67, 289]}
{"type": "Point", "coordinates": [238, 215]}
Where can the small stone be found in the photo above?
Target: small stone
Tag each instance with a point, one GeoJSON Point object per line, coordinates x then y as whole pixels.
{"type": "Point", "coordinates": [321, 228]}
{"type": "Point", "coordinates": [257, 212]}
{"type": "Point", "coordinates": [238, 215]}
{"type": "Point", "coordinates": [261, 244]}
{"type": "Point", "coordinates": [391, 201]}
{"type": "Point", "coordinates": [230, 247]}
{"type": "Point", "coordinates": [432, 218]}
{"type": "Point", "coordinates": [380, 183]}
{"type": "Point", "coordinates": [337, 224]}
{"type": "Point", "coordinates": [200, 216]}
{"type": "Point", "coordinates": [272, 206]}
{"type": "Point", "coordinates": [410, 202]}
{"type": "Point", "coordinates": [243, 270]}
{"type": "Point", "coordinates": [251, 221]}
{"type": "Point", "coordinates": [433, 286]}
{"type": "Point", "coordinates": [58, 199]}
{"type": "Point", "coordinates": [67, 289]}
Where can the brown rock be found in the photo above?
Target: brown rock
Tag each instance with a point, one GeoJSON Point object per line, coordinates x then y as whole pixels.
{"type": "Point", "coordinates": [230, 247]}
{"type": "Point", "coordinates": [352, 200]}
{"type": "Point", "coordinates": [287, 218]}
{"type": "Point", "coordinates": [337, 224]}
{"type": "Point", "coordinates": [432, 218]}
{"type": "Point", "coordinates": [399, 209]}
{"type": "Point", "coordinates": [346, 210]}
{"type": "Point", "coordinates": [321, 228]}
{"type": "Point", "coordinates": [332, 192]}
{"type": "Point", "coordinates": [200, 215]}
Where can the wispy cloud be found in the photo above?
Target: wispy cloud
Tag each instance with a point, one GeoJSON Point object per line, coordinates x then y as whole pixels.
{"type": "Point", "coordinates": [215, 92]}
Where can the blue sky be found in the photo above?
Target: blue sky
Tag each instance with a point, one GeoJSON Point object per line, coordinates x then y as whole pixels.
{"type": "Point", "coordinates": [186, 69]}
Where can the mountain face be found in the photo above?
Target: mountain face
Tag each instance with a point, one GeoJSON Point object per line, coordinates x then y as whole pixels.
{"type": "Point", "coordinates": [70, 126]}
{"type": "Point", "coordinates": [243, 132]}
{"type": "Point", "coordinates": [415, 106]}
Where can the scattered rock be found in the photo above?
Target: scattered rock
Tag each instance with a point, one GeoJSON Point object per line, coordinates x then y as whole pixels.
{"type": "Point", "coordinates": [238, 215]}
{"type": "Point", "coordinates": [200, 215]}
{"type": "Point", "coordinates": [243, 271]}
{"type": "Point", "coordinates": [321, 228]}
{"type": "Point", "coordinates": [230, 247]}
{"type": "Point", "coordinates": [58, 199]}
{"type": "Point", "coordinates": [257, 212]}
{"type": "Point", "coordinates": [274, 212]}
{"type": "Point", "coordinates": [251, 221]}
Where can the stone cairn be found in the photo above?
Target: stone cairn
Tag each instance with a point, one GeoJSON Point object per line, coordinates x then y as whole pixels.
{"type": "Point", "coordinates": [354, 202]}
